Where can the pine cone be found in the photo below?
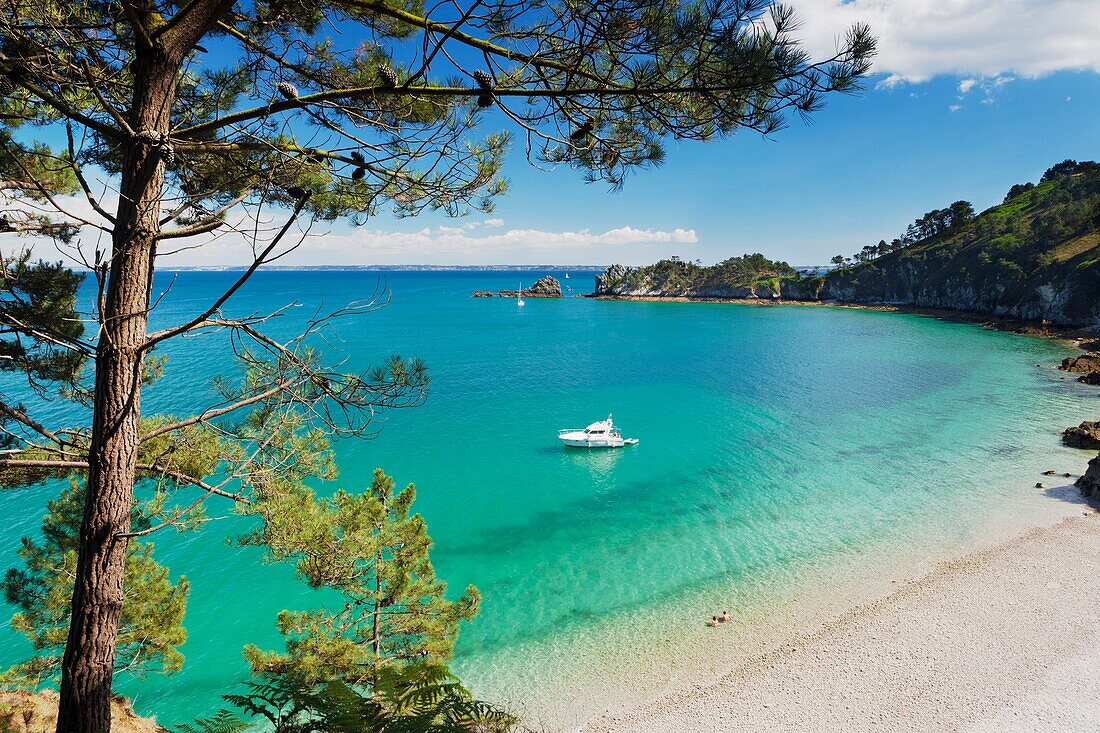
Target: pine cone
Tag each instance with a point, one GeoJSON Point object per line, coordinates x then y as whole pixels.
{"type": "Point", "coordinates": [169, 154]}
{"type": "Point", "coordinates": [153, 138]}
{"type": "Point", "coordinates": [357, 157]}
{"type": "Point", "coordinates": [483, 79]}
{"type": "Point", "coordinates": [6, 87]}
{"type": "Point", "coordinates": [358, 173]}
{"type": "Point", "coordinates": [485, 100]}
{"type": "Point", "coordinates": [297, 192]}
{"type": "Point", "coordinates": [387, 77]}
{"type": "Point", "coordinates": [287, 89]}
{"type": "Point", "coordinates": [582, 132]}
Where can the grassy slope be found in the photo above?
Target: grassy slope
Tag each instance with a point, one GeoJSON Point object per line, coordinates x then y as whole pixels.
{"type": "Point", "coordinates": [1034, 256]}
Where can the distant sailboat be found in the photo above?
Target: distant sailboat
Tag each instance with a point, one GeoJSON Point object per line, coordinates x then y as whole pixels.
{"type": "Point", "coordinates": [519, 296]}
{"type": "Point", "coordinates": [567, 276]}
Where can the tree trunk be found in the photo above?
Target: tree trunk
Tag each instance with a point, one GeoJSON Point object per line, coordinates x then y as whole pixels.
{"type": "Point", "coordinates": [88, 664]}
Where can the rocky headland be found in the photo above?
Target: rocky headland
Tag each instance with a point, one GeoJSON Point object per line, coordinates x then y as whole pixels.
{"type": "Point", "coordinates": [748, 277]}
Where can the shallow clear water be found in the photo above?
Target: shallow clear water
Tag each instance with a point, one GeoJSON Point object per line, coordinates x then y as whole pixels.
{"type": "Point", "coordinates": [775, 443]}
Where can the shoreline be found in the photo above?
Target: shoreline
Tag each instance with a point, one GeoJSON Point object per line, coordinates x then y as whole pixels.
{"type": "Point", "coordinates": [997, 639]}
{"type": "Point", "coordinates": [891, 651]}
{"type": "Point", "coordinates": [669, 666]}
{"type": "Point", "coordinates": [1087, 338]}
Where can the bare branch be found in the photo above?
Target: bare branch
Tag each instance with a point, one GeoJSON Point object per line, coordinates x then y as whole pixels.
{"type": "Point", "coordinates": [159, 336]}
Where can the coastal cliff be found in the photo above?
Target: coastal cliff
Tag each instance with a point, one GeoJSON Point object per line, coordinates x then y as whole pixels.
{"type": "Point", "coordinates": [1035, 257]}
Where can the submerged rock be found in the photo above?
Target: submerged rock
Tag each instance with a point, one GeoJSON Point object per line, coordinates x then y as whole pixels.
{"type": "Point", "coordinates": [1090, 482]}
{"type": "Point", "coordinates": [483, 294]}
{"type": "Point", "coordinates": [1085, 435]}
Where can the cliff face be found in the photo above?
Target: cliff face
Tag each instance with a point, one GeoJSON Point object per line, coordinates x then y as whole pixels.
{"type": "Point", "coordinates": [1036, 257]}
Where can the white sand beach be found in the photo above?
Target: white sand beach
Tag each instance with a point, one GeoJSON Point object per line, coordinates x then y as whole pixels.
{"type": "Point", "coordinates": [1004, 639]}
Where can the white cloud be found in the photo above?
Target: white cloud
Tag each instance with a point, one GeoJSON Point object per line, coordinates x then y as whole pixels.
{"type": "Point", "coordinates": [987, 87]}
{"type": "Point", "coordinates": [475, 241]}
{"type": "Point", "coordinates": [459, 243]}
{"type": "Point", "coordinates": [920, 39]}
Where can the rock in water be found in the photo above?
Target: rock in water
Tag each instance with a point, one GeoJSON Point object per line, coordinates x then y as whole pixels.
{"type": "Point", "coordinates": [1081, 364]}
{"type": "Point", "coordinates": [1090, 482]}
{"type": "Point", "coordinates": [1085, 435]}
{"type": "Point", "coordinates": [544, 287]}
{"type": "Point", "coordinates": [1090, 378]}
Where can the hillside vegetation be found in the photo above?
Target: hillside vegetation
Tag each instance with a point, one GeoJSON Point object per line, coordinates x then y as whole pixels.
{"type": "Point", "coordinates": [748, 276]}
{"type": "Point", "coordinates": [1034, 257]}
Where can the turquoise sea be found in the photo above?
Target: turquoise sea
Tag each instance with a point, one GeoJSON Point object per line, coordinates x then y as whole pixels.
{"type": "Point", "coordinates": [780, 449]}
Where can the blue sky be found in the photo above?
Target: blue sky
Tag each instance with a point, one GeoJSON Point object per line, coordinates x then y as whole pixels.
{"type": "Point", "coordinates": [968, 98]}
{"type": "Point", "coordinates": [863, 169]}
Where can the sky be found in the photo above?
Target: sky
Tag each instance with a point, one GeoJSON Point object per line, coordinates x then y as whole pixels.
{"type": "Point", "coordinates": [968, 97]}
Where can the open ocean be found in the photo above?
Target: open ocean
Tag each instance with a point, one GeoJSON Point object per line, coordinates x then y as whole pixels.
{"type": "Point", "coordinates": [779, 448]}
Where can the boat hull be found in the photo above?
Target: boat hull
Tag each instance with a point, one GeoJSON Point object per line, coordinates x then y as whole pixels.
{"type": "Point", "coordinates": [579, 439]}
{"type": "Point", "coordinates": [573, 443]}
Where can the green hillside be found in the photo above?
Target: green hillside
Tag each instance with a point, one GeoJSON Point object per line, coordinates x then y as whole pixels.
{"type": "Point", "coordinates": [1034, 257]}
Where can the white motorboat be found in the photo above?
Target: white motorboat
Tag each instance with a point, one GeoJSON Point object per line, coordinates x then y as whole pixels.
{"type": "Point", "coordinates": [602, 434]}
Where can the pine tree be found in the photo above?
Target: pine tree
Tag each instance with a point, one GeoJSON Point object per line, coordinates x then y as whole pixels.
{"type": "Point", "coordinates": [371, 550]}
{"type": "Point", "coordinates": [150, 629]}
{"type": "Point", "coordinates": [198, 143]}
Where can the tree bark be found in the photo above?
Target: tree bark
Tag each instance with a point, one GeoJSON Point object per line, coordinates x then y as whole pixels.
{"type": "Point", "coordinates": [88, 663]}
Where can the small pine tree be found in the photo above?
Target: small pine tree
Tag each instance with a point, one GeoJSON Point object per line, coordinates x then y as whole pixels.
{"type": "Point", "coordinates": [372, 551]}
{"type": "Point", "coordinates": [151, 624]}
